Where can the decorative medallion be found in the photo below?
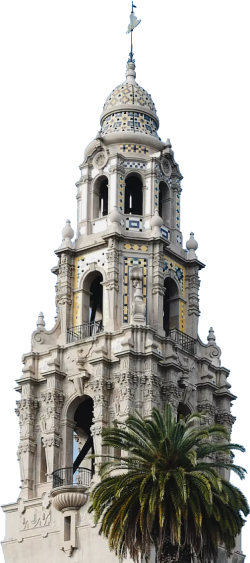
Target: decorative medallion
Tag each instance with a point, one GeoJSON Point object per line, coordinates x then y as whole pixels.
{"type": "Point", "coordinates": [166, 166]}
{"type": "Point", "coordinates": [100, 160]}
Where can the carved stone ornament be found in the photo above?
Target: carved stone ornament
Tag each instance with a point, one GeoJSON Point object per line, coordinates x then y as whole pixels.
{"type": "Point", "coordinates": [166, 166]}
{"type": "Point", "coordinates": [100, 160]}
{"type": "Point", "coordinates": [80, 380]}
{"type": "Point", "coordinates": [69, 499]}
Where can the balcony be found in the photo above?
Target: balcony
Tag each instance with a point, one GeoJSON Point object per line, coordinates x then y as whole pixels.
{"type": "Point", "coordinates": [76, 333]}
{"type": "Point", "coordinates": [69, 487]}
{"type": "Point", "coordinates": [67, 476]}
{"type": "Point", "coordinates": [183, 340]}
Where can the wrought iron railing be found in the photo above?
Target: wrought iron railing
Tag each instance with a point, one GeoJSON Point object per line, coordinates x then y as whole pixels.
{"type": "Point", "coordinates": [67, 476]}
{"type": "Point", "coordinates": [81, 332]}
{"type": "Point", "coordinates": [185, 341]}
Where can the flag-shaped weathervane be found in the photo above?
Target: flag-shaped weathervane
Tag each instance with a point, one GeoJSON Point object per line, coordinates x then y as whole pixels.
{"type": "Point", "coordinates": [134, 22]}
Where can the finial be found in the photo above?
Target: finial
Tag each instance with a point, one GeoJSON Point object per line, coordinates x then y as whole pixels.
{"type": "Point", "coordinates": [67, 234]}
{"type": "Point", "coordinates": [115, 216]}
{"type": "Point", "coordinates": [168, 144]}
{"type": "Point", "coordinates": [156, 221]}
{"type": "Point", "coordinates": [40, 321]}
{"type": "Point", "coordinates": [211, 336]}
{"type": "Point", "coordinates": [130, 72]}
{"type": "Point", "coordinates": [191, 246]}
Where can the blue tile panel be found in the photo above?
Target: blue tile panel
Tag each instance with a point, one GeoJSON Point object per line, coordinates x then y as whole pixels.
{"type": "Point", "coordinates": [177, 211]}
{"type": "Point", "coordinates": [121, 193]}
{"type": "Point", "coordinates": [131, 148]}
{"type": "Point", "coordinates": [156, 194]}
{"type": "Point", "coordinates": [165, 233]}
{"type": "Point", "coordinates": [133, 224]}
{"type": "Point", "coordinates": [129, 121]}
{"type": "Point", "coordinates": [137, 165]}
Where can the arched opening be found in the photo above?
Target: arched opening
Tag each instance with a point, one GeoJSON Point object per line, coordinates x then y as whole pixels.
{"type": "Point", "coordinates": [133, 195]}
{"type": "Point", "coordinates": [83, 419]}
{"type": "Point", "coordinates": [170, 305]}
{"type": "Point", "coordinates": [96, 299]}
{"type": "Point", "coordinates": [103, 198]}
{"type": "Point", "coordinates": [92, 311]}
{"type": "Point", "coordinates": [100, 197]}
{"type": "Point", "coordinates": [183, 410]}
{"type": "Point", "coordinates": [165, 203]}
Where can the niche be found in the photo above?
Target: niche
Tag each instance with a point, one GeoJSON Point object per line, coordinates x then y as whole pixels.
{"type": "Point", "coordinates": [43, 463]}
{"type": "Point", "coordinates": [170, 306]}
{"type": "Point", "coordinates": [165, 203]}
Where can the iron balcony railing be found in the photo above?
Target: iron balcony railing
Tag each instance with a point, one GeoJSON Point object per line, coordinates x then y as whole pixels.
{"type": "Point", "coordinates": [81, 332]}
{"type": "Point", "coordinates": [185, 341]}
{"type": "Point", "coordinates": [67, 476]}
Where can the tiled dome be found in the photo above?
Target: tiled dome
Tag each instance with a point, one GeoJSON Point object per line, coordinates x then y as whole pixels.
{"type": "Point", "coordinates": [127, 94]}
{"type": "Point", "coordinates": [129, 108]}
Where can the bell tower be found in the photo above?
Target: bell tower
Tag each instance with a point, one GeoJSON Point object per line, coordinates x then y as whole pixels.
{"type": "Point", "coordinates": [125, 337]}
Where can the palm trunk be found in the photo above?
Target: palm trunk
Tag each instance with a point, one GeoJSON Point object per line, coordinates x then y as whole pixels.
{"type": "Point", "coordinates": [172, 553]}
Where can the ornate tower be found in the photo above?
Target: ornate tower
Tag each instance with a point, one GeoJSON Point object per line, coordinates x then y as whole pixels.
{"type": "Point", "coordinates": [125, 338]}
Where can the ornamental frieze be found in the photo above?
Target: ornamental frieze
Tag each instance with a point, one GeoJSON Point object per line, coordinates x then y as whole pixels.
{"type": "Point", "coordinates": [172, 390]}
{"type": "Point", "coordinates": [224, 417]}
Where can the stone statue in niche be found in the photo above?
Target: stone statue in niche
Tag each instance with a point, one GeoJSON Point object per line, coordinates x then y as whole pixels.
{"type": "Point", "coordinates": [138, 308]}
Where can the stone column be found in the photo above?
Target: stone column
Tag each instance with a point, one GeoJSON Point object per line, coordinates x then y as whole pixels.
{"type": "Point", "coordinates": [68, 427]}
{"type": "Point", "coordinates": [150, 191]}
{"type": "Point", "coordinates": [172, 394]}
{"type": "Point", "coordinates": [158, 289]}
{"type": "Point", "coordinates": [227, 420]}
{"type": "Point", "coordinates": [175, 211]}
{"type": "Point", "coordinates": [52, 401]}
{"type": "Point", "coordinates": [151, 392]}
{"type": "Point", "coordinates": [192, 292]}
{"type": "Point", "coordinates": [26, 410]}
{"type": "Point", "coordinates": [100, 392]}
{"type": "Point", "coordinates": [64, 299]}
{"type": "Point", "coordinates": [85, 202]}
{"type": "Point", "coordinates": [127, 384]}
{"type": "Point", "coordinates": [112, 285]}
{"type": "Point", "coordinates": [116, 184]}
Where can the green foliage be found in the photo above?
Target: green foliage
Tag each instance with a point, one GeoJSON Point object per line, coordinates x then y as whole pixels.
{"type": "Point", "coordinates": [163, 492]}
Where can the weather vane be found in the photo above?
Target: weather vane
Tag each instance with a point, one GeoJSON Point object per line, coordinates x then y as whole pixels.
{"type": "Point", "coordinates": [133, 24]}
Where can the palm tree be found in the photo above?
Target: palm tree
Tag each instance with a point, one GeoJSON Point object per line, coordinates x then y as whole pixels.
{"type": "Point", "coordinates": [165, 490]}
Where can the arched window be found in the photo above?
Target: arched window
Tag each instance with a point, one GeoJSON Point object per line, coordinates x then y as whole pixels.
{"type": "Point", "coordinates": [96, 299]}
{"type": "Point", "coordinates": [103, 198]}
{"type": "Point", "coordinates": [165, 203]}
{"type": "Point", "coordinates": [83, 419]}
{"type": "Point", "coordinates": [183, 410]}
{"type": "Point", "coordinates": [92, 300]}
{"type": "Point", "coordinates": [170, 305]}
{"type": "Point", "coordinates": [133, 195]}
{"type": "Point", "coordinates": [100, 197]}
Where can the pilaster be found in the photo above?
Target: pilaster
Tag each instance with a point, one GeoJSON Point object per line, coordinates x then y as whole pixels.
{"type": "Point", "coordinates": [192, 291]}
{"type": "Point", "coordinates": [158, 289]}
{"type": "Point", "coordinates": [112, 285]}
{"type": "Point", "coordinates": [64, 289]}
